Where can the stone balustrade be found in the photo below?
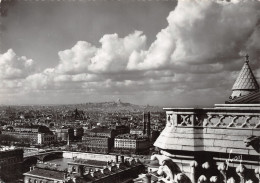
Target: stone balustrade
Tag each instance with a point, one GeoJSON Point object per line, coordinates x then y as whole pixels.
{"type": "Point", "coordinates": [213, 117]}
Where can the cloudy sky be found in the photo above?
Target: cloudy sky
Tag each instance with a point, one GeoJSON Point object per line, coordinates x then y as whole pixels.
{"type": "Point", "coordinates": [167, 53]}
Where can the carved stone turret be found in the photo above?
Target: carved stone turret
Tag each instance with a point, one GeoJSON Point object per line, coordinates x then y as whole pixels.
{"type": "Point", "coordinates": [245, 82]}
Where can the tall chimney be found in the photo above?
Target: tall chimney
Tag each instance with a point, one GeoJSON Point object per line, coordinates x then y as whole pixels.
{"type": "Point", "coordinates": [116, 158]}
{"type": "Point", "coordinates": [144, 123]}
{"type": "Point", "coordinates": [148, 128]}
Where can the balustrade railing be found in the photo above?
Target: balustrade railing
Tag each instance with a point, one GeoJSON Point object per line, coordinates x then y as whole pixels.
{"type": "Point", "coordinates": [202, 118]}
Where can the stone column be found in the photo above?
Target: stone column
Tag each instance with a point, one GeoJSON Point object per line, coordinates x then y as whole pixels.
{"type": "Point", "coordinates": [193, 166]}
{"type": "Point", "coordinates": [257, 172]}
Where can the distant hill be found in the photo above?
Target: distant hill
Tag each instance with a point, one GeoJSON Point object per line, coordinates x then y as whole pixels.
{"type": "Point", "coordinates": [120, 107]}
{"type": "Point", "coordinates": [117, 106]}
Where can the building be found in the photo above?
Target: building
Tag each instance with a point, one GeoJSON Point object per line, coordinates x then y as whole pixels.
{"type": "Point", "coordinates": [33, 134]}
{"type": "Point", "coordinates": [97, 144]}
{"type": "Point", "coordinates": [46, 138]}
{"type": "Point", "coordinates": [121, 129]}
{"type": "Point", "coordinates": [219, 144]}
{"type": "Point", "coordinates": [64, 133]}
{"type": "Point", "coordinates": [78, 133]}
{"type": "Point", "coordinates": [10, 164]}
{"type": "Point", "coordinates": [99, 139]}
{"type": "Point", "coordinates": [80, 172]}
{"type": "Point", "coordinates": [136, 131]}
{"type": "Point", "coordinates": [132, 144]}
{"type": "Point", "coordinates": [45, 175]}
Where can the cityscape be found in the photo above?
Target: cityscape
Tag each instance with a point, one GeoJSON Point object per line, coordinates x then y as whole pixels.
{"type": "Point", "coordinates": [129, 91]}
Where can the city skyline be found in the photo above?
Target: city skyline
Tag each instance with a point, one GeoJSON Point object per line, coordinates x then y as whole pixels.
{"type": "Point", "coordinates": [153, 52]}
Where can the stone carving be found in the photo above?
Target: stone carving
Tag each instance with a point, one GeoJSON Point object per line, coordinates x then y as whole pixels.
{"type": "Point", "coordinates": [166, 172]}
{"type": "Point", "coordinates": [213, 179]}
{"type": "Point", "coordinates": [253, 141]}
{"type": "Point", "coordinates": [185, 120]}
{"type": "Point", "coordinates": [182, 178]}
{"type": "Point", "coordinates": [241, 172]}
{"type": "Point", "coordinates": [206, 165]}
{"type": "Point", "coordinates": [216, 120]}
{"type": "Point", "coordinates": [223, 170]}
{"type": "Point", "coordinates": [170, 120]}
{"type": "Point", "coordinates": [169, 171]}
{"type": "Point", "coordinates": [231, 180]}
{"type": "Point", "coordinates": [202, 179]}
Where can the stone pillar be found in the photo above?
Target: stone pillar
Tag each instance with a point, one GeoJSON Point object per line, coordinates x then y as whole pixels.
{"type": "Point", "coordinates": [193, 166]}
{"type": "Point", "coordinates": [257, 172]}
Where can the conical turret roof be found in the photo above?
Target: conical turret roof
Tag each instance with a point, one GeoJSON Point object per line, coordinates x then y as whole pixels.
{"type": "Point", "coordinates": [246, 79]}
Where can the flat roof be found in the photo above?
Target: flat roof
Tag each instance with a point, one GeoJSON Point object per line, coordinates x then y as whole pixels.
{"type": "Point", "coordinates": [46, 173]}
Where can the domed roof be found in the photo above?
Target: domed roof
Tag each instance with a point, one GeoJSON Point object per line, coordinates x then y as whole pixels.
{"type": "Point", "coordinates": [246, 79]}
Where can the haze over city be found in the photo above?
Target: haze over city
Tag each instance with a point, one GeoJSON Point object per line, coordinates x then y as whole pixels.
{"type": "Point", "coordinates": [171, 53]}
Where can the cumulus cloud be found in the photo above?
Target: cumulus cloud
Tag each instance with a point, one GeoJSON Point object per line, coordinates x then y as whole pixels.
{"type": "Point", "coordinates": [112, 56]}
{"type": "Point", "coordinates": [14, 67]}
{"type": "Point", "coordinates": [202, 32]}
{"type": "Point", "coordinates": [201, 36]}
{"type": "Point", "coordinates": [198, 53]}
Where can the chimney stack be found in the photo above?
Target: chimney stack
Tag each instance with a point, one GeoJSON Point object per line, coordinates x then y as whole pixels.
{"type": "Point", "coordinates": [116, 158]}
{"type": "Point", "coordinates": [122, 159]}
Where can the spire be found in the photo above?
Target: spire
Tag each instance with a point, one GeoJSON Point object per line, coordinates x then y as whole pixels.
{"type": "Point", "coordinates": [245, 82]}
{"type": "Point", "coordinates": [247, 58]}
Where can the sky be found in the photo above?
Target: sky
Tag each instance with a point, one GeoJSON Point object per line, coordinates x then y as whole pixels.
{"type": "Point", "coordinates": [166, 53]}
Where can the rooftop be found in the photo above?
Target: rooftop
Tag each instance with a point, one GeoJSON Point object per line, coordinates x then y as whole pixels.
{"type": "Point", "coordinates": [101, 130]}
{"type": "Point", "coordinates": [46, 173]}
{"type": "Point", "coordinates": [246, 79]}
{"type": "Point", "coordinates": [131, 136]}
{"type": "Point", "coordinates": [252, 98]}
{"type": "Point", "coordinates": [91, 163]}
{"type": "Point", "coordinates": [7, 148]}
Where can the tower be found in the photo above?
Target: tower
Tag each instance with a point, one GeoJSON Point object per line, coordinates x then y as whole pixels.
{"type": "Point", "coordinates": [147, 123]}
{"type": "Point", "coordinates": [148, 127]}
{"type": "Point", "coordinates": [245, 82]}
{"type": "Point", "coordinates": [144, 123]}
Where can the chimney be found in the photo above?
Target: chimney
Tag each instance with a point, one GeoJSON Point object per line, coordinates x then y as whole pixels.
{"type": "Point", "coordinates": [116, 158]}
{"type": "Point", "coordinates": [148, 128]}
{"type": "Point", "coordinates": [144, 123]}
{"type": "Point", "coordinates": [122, 159]}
